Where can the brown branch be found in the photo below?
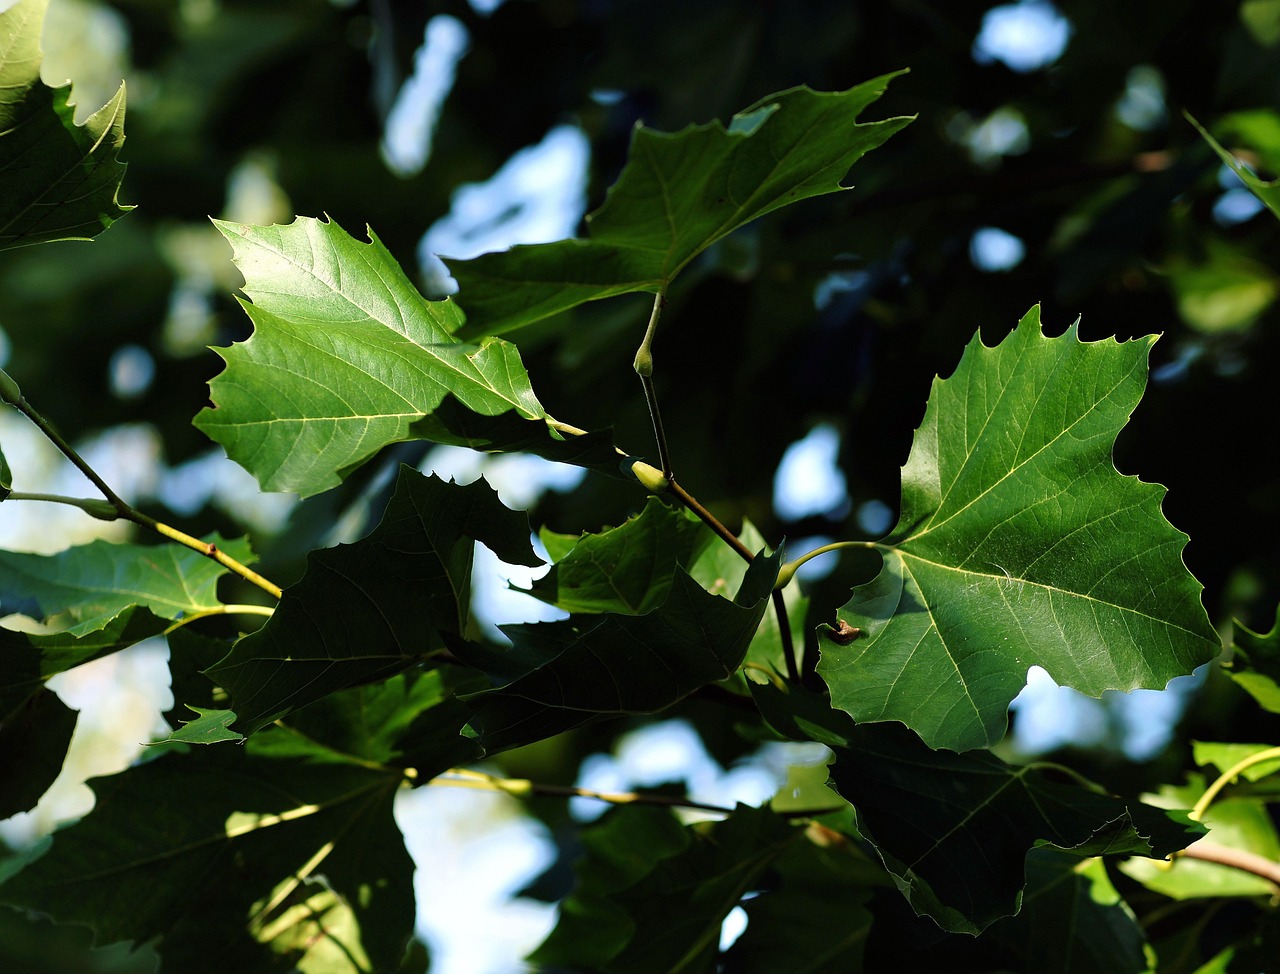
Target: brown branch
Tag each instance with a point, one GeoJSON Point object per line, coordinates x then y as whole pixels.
{"type": "Point", "coordinates": [1249, 862]}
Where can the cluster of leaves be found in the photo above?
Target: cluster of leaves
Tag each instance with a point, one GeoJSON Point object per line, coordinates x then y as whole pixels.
{"type": "Point", "coordinates": [1018, 543]}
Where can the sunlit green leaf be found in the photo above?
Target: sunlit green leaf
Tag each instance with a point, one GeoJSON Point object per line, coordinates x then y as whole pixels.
{"type": "Point", "coordinates": [1224, 757]}
{"type": "Point", "coordinates": [85, 587]}
{"type": "Point", "coordinates": [1019, 544]}
{"type": "Point", "coordinates": [346, 358]}
{"type": "Point", "coordinates": [678, 195]}
{"type": "Point", "coordinates": [368, 610]}
{"type": "Point", "coordinates": [209, 727]}
{"type": "Point", "coordinates": [59, 179]}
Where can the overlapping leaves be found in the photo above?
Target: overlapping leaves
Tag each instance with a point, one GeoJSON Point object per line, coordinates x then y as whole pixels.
{"type": "Point", "coordinates": [60, 180]}
{"type": "Point", "coordinates": [678, 195]}
{"type": "Point", "coordinates": [1019, 544]}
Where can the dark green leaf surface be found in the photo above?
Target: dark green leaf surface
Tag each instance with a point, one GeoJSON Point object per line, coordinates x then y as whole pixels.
{"type": "Point", "coordinates": [346, 358]}
{"type": "Point", "coordinates": [620, 849]}
{"type": "Point", "coordinates": [623, 664]}
{"type": "Point", "coordinates": [954, 829]}
{"type": "Point", "coordinates": [679, 194]}
{"type": "Point", "coordinates": [367, 610]}
{"type": "Point", "coordinates": [88, 586]}
{"type": "Point", "coordinates": [680, 905]}
{"type": "Point", "coordinates": [626, 569]}
{"type": "Point", "coordinates": [33, 743]}
{"type": "Point", "coordinates": [814, 922]}
{"type": "Point", "coordinates": [59, 179]}
{"type": "Point", "coordinates": [6, 478]}
{"type": "Point", "coordinates": [1019, 544]}
{"type": "Point", "coordinates": [243, 861]}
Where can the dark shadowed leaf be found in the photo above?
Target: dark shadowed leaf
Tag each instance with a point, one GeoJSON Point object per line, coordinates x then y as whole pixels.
{"type": "Point", "coordinates": [242, 860]}
{"type": "Point", "coordinates": [1256, 664]}
{"type": "Point", "coordinates": [623, 664]}
{"type": "Point", "coordinates": [678, 195]}
{"type": "Point", "coordinates": [1019, 544]}
{"type": "Point", "coordinates": [60, 179]}
{"type": "Point", "coordinates": [367, 610]}
{"type": "Point", "coordinates": [954, 829]}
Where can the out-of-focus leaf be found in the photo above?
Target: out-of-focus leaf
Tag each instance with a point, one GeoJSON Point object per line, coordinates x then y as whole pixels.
{"type": "Point", "coordinates": [679, 194]}
{"type": "Point", "coordinates": [1267, 192]}
{"type": "Point", "coordinates": [625, 845]}
{"type": "Point", "coordinates": [954, 830]}
{"type": "Point", "coordinates": [1224, 757]}
{"type": "Point", "coordinates": [346, 358]}
{"type": "Point", "coordinates": [814, 922]}
{"type": "Point", "coordinates": [242, 861]}
{"type": "Point", "coordinates": [1019, 544]}
{"type": "Point", "coordinates": [33, 743]}
{"type": "Point", "coordinates": [86, 587]}
{"type": "Point", "coordinates": [623, 664]}
{"type": "Point", "coordinates": [1256, 664]}
{"type": "Point", "coordinates": [367, 610]}
{"type": "Point", "coordinates": [1238, 823]}
{"type": "Point", "coordinates": [1225, 291]}
{"type": "Point", "coordinates": [627, 569]}
{"type": "Point", "coordinates": [60, 180]}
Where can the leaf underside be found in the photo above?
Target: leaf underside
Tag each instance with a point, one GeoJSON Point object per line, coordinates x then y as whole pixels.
{"type": "Point", "coordinates": [1019, 544]}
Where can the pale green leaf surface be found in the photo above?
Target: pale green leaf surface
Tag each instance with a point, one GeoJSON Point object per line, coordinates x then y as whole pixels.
{"type": "Point", "coordinates": [1223, 757]}
{"type": "Point", "coordinates": [59, 180]}
{"type": "Point", "coordinates": [622, 664]}
{"type": "Point", "coordinates": [367, 610]}
{"type": "Point", "coordinates": [626, 569]}
{"type": "Point", "coordinates": [83, 588]}
{"type": "Point", "coordinates": [346, 357]}
{"type": "Point", "coordinates": [1019, 544]}
{"type": "Point", "coordinates": [678, 194]}
{"type": "Point", "coordinates": [242, 862]}
{"type": "Point", "coordinates": [209, 727]}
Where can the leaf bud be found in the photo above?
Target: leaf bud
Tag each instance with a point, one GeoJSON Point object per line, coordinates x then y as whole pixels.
{"type": "Point", "coordinates": [650, 476]}
{"type": "Point", "coordinates": [9, 391]}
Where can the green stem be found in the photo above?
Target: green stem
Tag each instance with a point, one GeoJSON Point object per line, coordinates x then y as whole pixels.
{"type": "Point", "coordinates": [93, 506]}
{"type": "Point", "coordinates": [229, 609]}
{"type": "Point", "coordinates": [788, 571]}
{"type": "Point", "coordinates": [10, 393]}
{"type": "Point", "coordinates": [644, 369]}
{"type": "Point", "coordinates": [1228, 776]}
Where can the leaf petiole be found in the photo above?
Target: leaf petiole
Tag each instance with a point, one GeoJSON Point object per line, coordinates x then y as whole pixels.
{"type": "Point", "coordinates": [1227, 777]}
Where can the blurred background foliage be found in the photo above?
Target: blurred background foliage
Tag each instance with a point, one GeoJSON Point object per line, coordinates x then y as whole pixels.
{"type": "Point", "coordinates": [1066, 175]}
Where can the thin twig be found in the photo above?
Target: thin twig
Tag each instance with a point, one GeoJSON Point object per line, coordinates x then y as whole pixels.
{"type": "Point", "coordinates": [1249, 862]}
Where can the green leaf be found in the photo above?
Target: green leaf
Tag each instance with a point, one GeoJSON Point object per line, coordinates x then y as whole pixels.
{"type": "Point", "coordinates": [679, 194]}
{"type": "Point", "coordinates": [241, 861]}
{"type": "Point", "coordinates": [33, 744]}
{"type": "Point", "coordinates": [1256, 664]}
{"type": "Point", "coordinates": [626, 569]}
{"type": "Point", "coordinates": [346, 358]}
{"type": "Point", "coordinates": [1019, 544]}
{"type": "Point", "coordinates": [89, 585]}
{"type": "Point", "coordinates": [6, 478]}
{"type": "Point", "coordinates": [814, 922]}
{"type": "Point", "coordinates": [60, 179]}
{"type": "Point", "coordinates": [1267, 192]}
{"type": "Point", "coordinates": [622, 664]}
{"type": "Point", "coordinates": [1224, 757]}
{"type": "Point", "coordinates": [367, 610]}
{"type": "Point", "coordinates": [954, 830]}
{"type": "Point", "coordinates": [680, 905]}
{"type": "Point", "coordinates": [625, 845]}
{"type": "Point", "coordinates": [1238, 823]}
{"type": "Point", "coordinates": [209, 727]}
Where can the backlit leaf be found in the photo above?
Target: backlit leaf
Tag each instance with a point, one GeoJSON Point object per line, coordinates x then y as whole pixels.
{"type": "Point", "coordinates": [367, 610]}
{"type": "Point", "coordinates": [60, 180]}
{"type": "Point", "coordinates": [679, 194]}
{"type": "Point", "coordinates": [1267, 192]}
{"type": "Point", "coordinates": [347, 357]}
{"type": "Point", "coordinates": [1019, 544]}
{"type": "Point", "coordinates": [1256, 664]}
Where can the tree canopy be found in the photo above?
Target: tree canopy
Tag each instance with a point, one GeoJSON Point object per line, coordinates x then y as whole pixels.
{"type": "Point", "coordinates": [1028, 289]}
